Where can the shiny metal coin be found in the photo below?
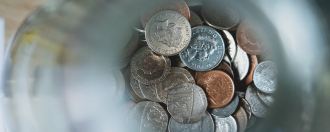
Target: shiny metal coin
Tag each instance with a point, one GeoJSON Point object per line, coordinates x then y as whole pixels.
{"type": "Point", "coordinates": [205, 51]}
{"type": "Point", "coordinates": [148, 116]}
{"type": "Point", "coordinates": [268, 99]}
{"type": "Point", "coordinates": [186, 103]}
{"type": "Point", "coordinates": [265, 77]}
{"type": "Point", "coordinates": [227, 110]}
{"type": "Point", "coordinates": [195, 20]}
{"type": "Point", "coordinates": [241, 64]}
{"type": "Point", "coordinates": [149, 68]}
{"type": "Point", "coordinates": [168, 32]}
{"type": "Point", "coordinates": [226, 59]}
{"type": "Point", "coordinates": [257, 107]}
{"type": "Point", "coordinates": [204, 125]}
{"type": "Point", "coordinates": [230, 44]}
{"type": "Point", "coordinates": [241, 119]}
{"type": "Point", "coordinates": [227, 124]}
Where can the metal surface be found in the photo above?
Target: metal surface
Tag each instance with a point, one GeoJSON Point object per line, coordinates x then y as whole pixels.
{"type": "Point", "coordinates": [226, 110]}
{"type": "Point", "coordinates": [227, 124]}
{"type": "Point", "coordinates": [265, 77]}
{"type": "Point", "coordinates": [206, 124]}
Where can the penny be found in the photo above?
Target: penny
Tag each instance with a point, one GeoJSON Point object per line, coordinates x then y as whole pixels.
{"type": "Point", "coordinates": [226, 68]}
{"type": "Point", "coordinates": [268, 99]}
{"type": "Point", "coordinates": [129, 89]}
{"type": "Point", "coordinates": [241, 119]}
{"type": "Point", "coordinates": [149, 68]}
{"type": "Point", "coordinates": [219, 88]}
{"type": "Point", "coordinates": [186, 103]}
{"type": "Point", "coordinates": [195, 20]}
{"type": "Point", "coordinates": [205, 50]}
{"type": "Point", "coordinates": [219, 15]}
{"type": "Point", "coordinates": [168, 33]}
{"type": "Point", "coordinates": [253, 64]}
{"type": "Point", "coordinates": [251, 121]}
{"type": "Point", "coordinates": [241, 64]}
{"type": "Point", "coordinates": [230, 44]}
{"type": "Point", "coordinates": [257, 107]}
{"type": "Point", "coordinates": [265, 77]}
{"type": "Point", "coordinates": [176, 5]}
{"type": "Point", "coordinates": [249, 39]}
{"type": "Point", "coordinates": [148, 116]}
{"type": "Point", "coordinates": [245, 104]}
{"type": "Point", "coordinates": [227, 124]}
{"type": "Point", "coordinates": [204, 125]}
{"type": "Point", "coordinates": [227, 110]}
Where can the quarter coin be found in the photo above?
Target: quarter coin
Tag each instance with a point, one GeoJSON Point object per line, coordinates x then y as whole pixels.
{"type": "Point", "coordinates": [241, 119]}
{"type": "Point", "coordinates": [257, 107]}
{"type": "Point", "coordinates": [227, 124]}
{"type": "Point", "coordinates": [265, 77]}
{"type": "Point", "coordinates": [241, 64]}
{"type": "Point", "coordinates": [227, 110]}
{"type": "Point", "coordinates": [204, 125]}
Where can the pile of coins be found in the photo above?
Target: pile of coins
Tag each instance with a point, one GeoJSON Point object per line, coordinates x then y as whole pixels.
{"type": "Point", "coordinates": [191, 74]}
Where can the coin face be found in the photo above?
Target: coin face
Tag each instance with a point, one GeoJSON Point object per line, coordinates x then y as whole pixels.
{"type": "Point", "coordinates": [253, 64]}
{"type": "Point", "coordinates": [249, 39]}
{"type": "Point", "coordinates": [219, 16]}
{"type": "Point", "coordinates": [257, 107]}
{"type": "Point", "coordinates": [195, 20]}
{"type": "Point", "coordinates": [186, 103]}
{"type": "Point", "coordinates": [219, 88]}
{"type": "Point", "coordinates": [241, 64]}
{"type": "Point", "coordinates": [148, 116]}
{"type": "Point", "coordinates": [268, 99]}
{"type": "Point", "coordinates": [227, 110]}
{"type": "Point", "coordinates": [230, 44]}
{"type": "Point", "coordinates": [205, 50]}
{"type": "Point", "coordinates": [168, 32]}
{"type": "Point", "coordinates": [227, 124]}
{"type": "Point", "coordinates": [204, 125]}
{"type": "Point", "coordinates": [149, 68]}
{"type": "Point", "coordinates": [241, 119]}
{"type": "Point", "coordinates": [245, 104]}
{"type": "Point", "coordinates": [265, 77]}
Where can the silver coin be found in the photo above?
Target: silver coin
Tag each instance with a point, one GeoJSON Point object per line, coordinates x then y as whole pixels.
{"type": "Point", "coordinates": [148, 116]}
{"type": "Point", "coordinates": [168, 32]}
{"type": "Point", "coordinates": [230, 44]}
{"type": "Point", "coordinates": [251, 121]}
{"type": "Point", "coordinates": [257, 107]}
{"type": "Point", "coordinates": [226, 59]}
{"type": "Point", "coordinates": [265, 77]}
{"type": "Point", "coordinates": [149, 68]}
{"type": "Point", "coordinates": [227, 124]}
{"type": "Point", "coordinates": [205, 50]}
{"type": "Point", "coordinates": [227, 110]}
{"type": "Point", "coordinates": [241, 119]}
{"type": "Point", "coordinates": [204, 125]}
{"type": "Point", "coordinates": [268, 99]}
{"type": "Point", "coordinates": [241, 64]}
{"type": "Point", "coordinates": [219, 16]}
{"type": "Point", "coordinates": [195, 20]}
{"type": "Point", "coordinates": [186, 103]}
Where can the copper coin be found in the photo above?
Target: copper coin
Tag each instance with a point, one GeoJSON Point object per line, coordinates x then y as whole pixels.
{"type": "Point", "coordinates": [219, 88]}
{"type": "Point", "coordinates": [177, 5]}
{"type": "Point", "coordinates": [226, 68]}
{"type": "Point", "coordinates": [253, 64]}
{"type": "Point", "coordinates": [249, 39]}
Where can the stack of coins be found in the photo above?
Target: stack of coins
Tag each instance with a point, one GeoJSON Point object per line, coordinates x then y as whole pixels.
{"type": "Point", "coordinates": [191, 74]}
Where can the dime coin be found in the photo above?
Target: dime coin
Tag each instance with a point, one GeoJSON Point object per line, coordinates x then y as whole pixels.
{"type": "Point", "coordinates": [204, 125]}
{"type": "Point", "coordinates": [168, 32]}
{"type": "Point", "coordinates": [219, 88]}
{"type": "Point", "coordinates": [226, 68]}
{"type": "Point", "coordinates": [186, 103]}
{"type": "Point", "coordinates": [264, 77]}
{"type": "Point", "coordinates": [149, 68]}
{"type": "Point", "coordinates": [257, 107]}
{"type": "Point", "coordinates": [148, 116]}
{"type": "Point", "coordinates": [253, 64]}
{"type": "Point", "coordinates": [129, 89]}
{"type": "Point", "coordinates": [195, 20]}
{"type": "Point", "coordinates": [241, 64]}
{"type": "Point", "coordinates": [245, 104]}
{"type": "Point", "coordinates": [177, 5]}
{"type": "Point", "coordinates": [251, 121]}
{"type": "Point", "coordinates": [241, 119]}
{"type": "Point", "coordinates": [205, 50]}
{"type": "Point", "coordinates": [230, 44]}
{"type": "Point", "coordinates": [219, 16]}
{"type": "Point", "coordinates": [249, 39]}
{"type": "Point", "coordinates": [227, 124]}
{"type": "Point", "coordinates": [268, 99]}
{"type": "Point", "coordinates": [227, 110]}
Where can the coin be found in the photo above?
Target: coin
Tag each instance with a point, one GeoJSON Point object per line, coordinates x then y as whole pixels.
{"type": "Point", "coordinates": [177, 5]}
{"type": "Point", "coordinates": [253, 64]}
{"type": "Point", "coordinates": [129, 89]}
{"type": "Point", "coordinates": [241, 64]}
{"type": "Point", "coordinates": [258, 108]}
{"type": "Point", "coordinates": [195, 20]}
{"type": "Point", "coordinates": [219, 15]}
{"type": "Point", "coordinates": [226, 68]}
{"type": "Point", "coordinates": [249, 39]}
{"type": "Point", "coordinates": [204, 125]}
{"type": "Point", "coordinates": [205, 50]}
{"type": "Point", "coordinates": [168, 33]}
{"type": "Point", "coordinates": [186, 103]}
{"type": "Point", "coordinates": [147, 116]}
{"type": "Point", "coordinates": [219, 88]}
{"type": "Point", "coordinates": [241, 119]}
{"type": "Point", "coordinates": [268, 99]}
{"type": "Point", "coordinates": [251, 121]}
{"type": "Point", "coordinates": [227, 124]}
{"type": "Point", "coordinates": [149, 68]}
{"type": "Point", "coordinates": [227, 110]}
{"type": "Point", "coordinates": [230, 44]}
{"type": "Point", "coordinates": [265, 77]}
{"type": "Point", "coordinates": [245, 104]}
{"type": "Point", "coordinates": [226, 59]}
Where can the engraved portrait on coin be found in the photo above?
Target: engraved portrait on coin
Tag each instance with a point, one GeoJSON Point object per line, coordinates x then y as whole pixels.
{"type": "Point", "coordinates": [204, 125]}
{"type": "Point", "coordinates": [265, 77]}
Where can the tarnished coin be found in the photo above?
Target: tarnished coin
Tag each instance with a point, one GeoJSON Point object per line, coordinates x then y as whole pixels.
{"type": "Point", "coordinates": [226, 68]}
{"type": "Point", "coordinates": [204, 125]}
{"type": "Point", "coordinates": [148, 116]}
{"type": "Point", "coordinates": [227, 124]}
{"type": "Point", "coordinates": [219, 15]}
{"type": "Point", "coordinates": [253, 64]}
{"type": "Point", "coordinates": [241, 64]}
{"type": "Point", "coordinates": [227, 110]}
{"type": "Point", "coordinates": [168, 33]}
{"type": "Point", "coordinates": [149, 68]}
{"type": "Point", "coordinates": [268, 99]}
{"type": "Point", "coordinates": [186, 103]}
{"type": "Point", "coordinates": [245, 104]}
{"type": "Point", "coordinates": [257, 107]}
{"type": "Point", "coordinates": [249, 39]}
{"type": "Point", "coordinates": [219, 88]}
{"type": "Point", "coordinates": [205, 50]}
{"type": "Point", "coordinates": [265, 77]}
{"type": "Point", "coordinates": [251, 121]}
{"type": "Point", "coordinates": [241, 119]}
{"type": "Point", "coordinates": [195, 20]}
{"type": "Point", "coordinates": [230, 44]}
